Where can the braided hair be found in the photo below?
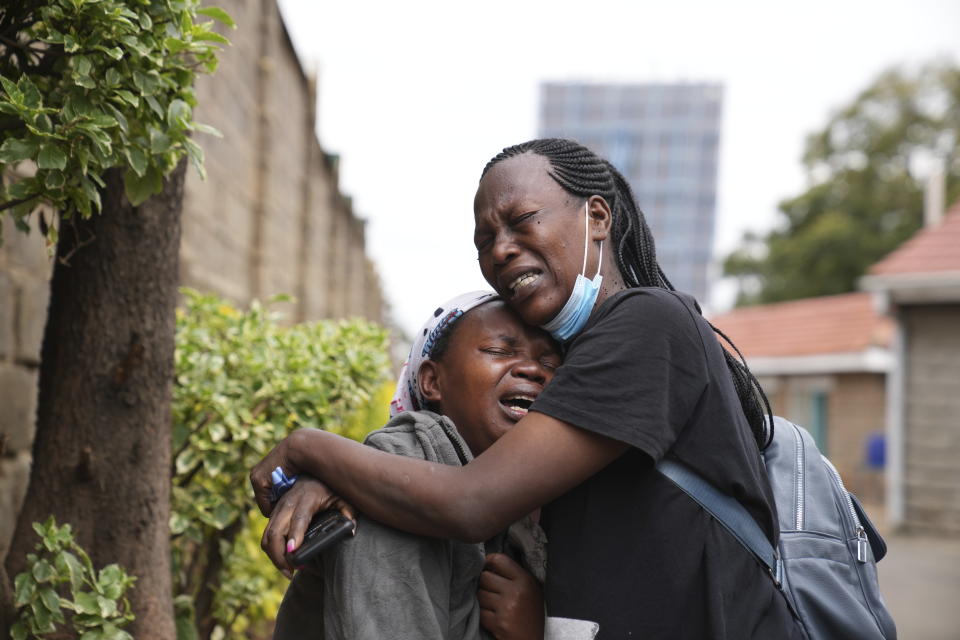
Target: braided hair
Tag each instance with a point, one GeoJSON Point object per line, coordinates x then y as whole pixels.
{"type": "Point", "coordinates": [582, 173]}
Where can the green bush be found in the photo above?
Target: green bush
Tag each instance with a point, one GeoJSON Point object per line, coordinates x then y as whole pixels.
{"type": "Point", "coordinates": [63, 591]}
{"type": "Point", "coordinates": [243, 381]}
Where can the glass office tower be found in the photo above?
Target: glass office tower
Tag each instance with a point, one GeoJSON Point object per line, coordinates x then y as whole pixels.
{"type": "Point", "coordinates": [664, 138]}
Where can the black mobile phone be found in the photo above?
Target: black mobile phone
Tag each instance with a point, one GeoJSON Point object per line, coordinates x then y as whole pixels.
{"type": "Point", "coordinates": [326, 529]}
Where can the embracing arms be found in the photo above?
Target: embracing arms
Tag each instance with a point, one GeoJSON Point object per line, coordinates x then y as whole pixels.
{"type": "Point", "coordinates": [538, 460]}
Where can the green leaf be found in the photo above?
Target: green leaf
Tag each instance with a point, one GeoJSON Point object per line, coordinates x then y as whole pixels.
{"type": "Point", "coordinates": [77, 105]}
{"type": "Point", "coordinates": [82, 65]}
{"type": "Point", "coordinates": [67, 563]}
{"type": "Point", "coordinates": [139, 188]}
{"type": "Point", "coordinates": [129, 98]}
{"type": "Point", "coordinates": [209, 36]}
{"type": "Point", "coordinates": [178, 114]}
{"type": "Point", "coordinates": [218, 14]}
{"type": "Point", "coordinates": [70, 44]}
{"type": "Point", "coordinates": [147, 84]}
{"type": "Point", "coordinates": [175, 45]}
{"type": "Point", "coordinates": [195, 152]}
{"type": "Point", "coordinates": [9, 108]}
{"type": "Point", "coordinates": [112, 76]}
{"type": "Point", "coordinates": [43, 571]}
{"type": "Point", "coordinates": [31, 95]}
{"type": "Point", "coordinates": [16, 96]}
{"type": "Point", "coordinates": [51, 157]}
{"type": "Point", "coordinates": [159, 141]}
{"type": "Point", "coordinates": [42, 618]}
{"type": "Point", "coordinates": [50, 598]}
{"type": "Point", "coordinates": [83, 158]}
{"type": "Point", "coordinates": [14, 150]}
{"type": "Point", "coordinates": [90, 191]}
{"type": "Point", "coordinates": [205, 128]}
{"type": "Point", "coordinates": [54, 180]}
{"type": "Point", "coordinates": [86, 602]}
{"type": "Point", "coordinates": [114, 52]}
{"type": "Point", "coordinates": [154, 105]}
{"type": "Point", "coordinates": [108, 607]}
{"type": "Point", "coordinates": [24, 589]}
{"type": "Point", "coordinates": [137, 159]}
{"type": "Point", "coordinates": [84, 81]}
{"type": "Point", "coordinates": [18, 632]}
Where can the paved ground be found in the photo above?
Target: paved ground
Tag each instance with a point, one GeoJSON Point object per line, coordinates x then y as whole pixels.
{"type": "Point", "coordinates": [920, 581]}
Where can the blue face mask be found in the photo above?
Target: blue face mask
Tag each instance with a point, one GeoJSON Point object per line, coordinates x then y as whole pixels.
{"type": "Point", "coordinates": [576, 311]}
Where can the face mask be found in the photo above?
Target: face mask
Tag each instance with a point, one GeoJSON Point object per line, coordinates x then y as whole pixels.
{"type": "Point", "coordinates": [576, 311]}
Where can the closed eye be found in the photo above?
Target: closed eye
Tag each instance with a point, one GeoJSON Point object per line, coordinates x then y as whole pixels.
{"type": "Point", "coordinates": [550, 363]}
{"type": "Point", "coordinates": [524, 217]}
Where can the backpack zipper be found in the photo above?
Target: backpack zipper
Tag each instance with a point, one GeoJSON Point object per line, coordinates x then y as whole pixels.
{"type": "Point", "coordinates": [798, 487]}
{"type": "Point", "coordinates": [860, 531]}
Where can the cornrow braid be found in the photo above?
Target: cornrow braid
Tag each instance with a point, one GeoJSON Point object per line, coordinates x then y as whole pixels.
{"type": "Point", "coordinates": [582, 173]}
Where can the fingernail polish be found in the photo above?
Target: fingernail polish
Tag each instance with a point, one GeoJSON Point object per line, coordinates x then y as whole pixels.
{"type": "Point", "coordinates": [291, 545]}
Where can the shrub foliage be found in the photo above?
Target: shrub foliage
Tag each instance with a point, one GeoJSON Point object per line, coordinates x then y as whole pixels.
{"type": "Point", "coordinates": [244, 380]}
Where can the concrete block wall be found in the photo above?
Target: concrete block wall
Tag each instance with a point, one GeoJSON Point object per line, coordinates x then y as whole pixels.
{"type": "Point", "coordinates": [218, 221]}
{"type": "Point", "coordinates": [24, 293]}
{"type": "Point", "coordinates": [270, 217]}
{"type": "Point", "coordinates": [932, 418]}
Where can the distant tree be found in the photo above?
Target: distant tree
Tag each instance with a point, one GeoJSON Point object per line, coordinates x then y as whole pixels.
{"type": "Point", "coordinates": [95, 124]}
{"type": "Point", "coordinates": [863, 201]}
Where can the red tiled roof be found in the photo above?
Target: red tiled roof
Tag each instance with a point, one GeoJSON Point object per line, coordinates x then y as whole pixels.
{"type": "Point", "coordinates": [830, 324]}
{"type": "Point", "coordinates": [931, 249]}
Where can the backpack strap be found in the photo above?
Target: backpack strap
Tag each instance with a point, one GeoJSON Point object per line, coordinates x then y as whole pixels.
{"type": "Point", "coordinates": [728, 512]}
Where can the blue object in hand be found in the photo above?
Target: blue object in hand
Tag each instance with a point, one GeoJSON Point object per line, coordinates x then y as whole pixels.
{"type": "Point", "coordinates": [281, 483]}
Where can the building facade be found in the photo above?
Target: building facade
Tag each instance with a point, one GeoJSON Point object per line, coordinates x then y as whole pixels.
{"type": "Point", "coordinates": [918, 284]}
{"type": "Point", "coordinates": [665, 139]}
{"type": "Point", "coordinates": [823, 363]}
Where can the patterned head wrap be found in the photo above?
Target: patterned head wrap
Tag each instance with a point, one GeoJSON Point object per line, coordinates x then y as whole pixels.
{"type": "Point", "coordinates": [407, 396]}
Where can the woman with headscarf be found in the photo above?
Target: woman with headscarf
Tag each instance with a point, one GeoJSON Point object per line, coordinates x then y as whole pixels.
{"type": "Point", "coordinates": [561, 238]}
{"type": "Point", "coordinates": [472, 370]}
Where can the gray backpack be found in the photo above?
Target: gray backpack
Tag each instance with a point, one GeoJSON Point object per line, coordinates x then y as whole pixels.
{"type": "Point", "coordinates": [825, 564]}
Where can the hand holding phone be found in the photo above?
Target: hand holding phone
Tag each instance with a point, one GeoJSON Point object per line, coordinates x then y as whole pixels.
{"type": "Point", "coordinates": [326, 529]}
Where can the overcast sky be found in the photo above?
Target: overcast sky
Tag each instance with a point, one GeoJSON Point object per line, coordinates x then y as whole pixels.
{"type": "Point", "coordinates": [417, 96]}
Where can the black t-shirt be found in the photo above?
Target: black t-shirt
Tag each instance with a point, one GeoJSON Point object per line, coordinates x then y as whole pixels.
{"type": "Point", "coordinates": [627, 548]}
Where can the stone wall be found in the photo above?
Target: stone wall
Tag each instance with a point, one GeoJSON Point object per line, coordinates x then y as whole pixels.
{"type": "Point", "coordinates": [269, 219]}
{"type": "Point", "coordinates": [932, 418]}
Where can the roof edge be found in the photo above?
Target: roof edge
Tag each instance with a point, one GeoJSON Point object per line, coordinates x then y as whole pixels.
{"type": "Point", "coordinates": [870, 360]}
{"type": "Point", "coordinates": [918, 287]}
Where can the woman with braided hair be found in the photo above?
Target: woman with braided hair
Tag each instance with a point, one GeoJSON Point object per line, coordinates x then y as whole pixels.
{"type": "Point", "coordinates": [560, 237]}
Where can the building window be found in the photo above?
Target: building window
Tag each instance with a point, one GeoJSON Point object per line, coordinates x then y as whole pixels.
{"type": "Point", "coordinates": [808, 407]}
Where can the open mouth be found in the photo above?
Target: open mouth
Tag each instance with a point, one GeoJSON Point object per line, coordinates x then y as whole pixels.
{"type": "Point", "coordinates": [523, 280]}
{"type": "Point", "coordinates": [517, 405]}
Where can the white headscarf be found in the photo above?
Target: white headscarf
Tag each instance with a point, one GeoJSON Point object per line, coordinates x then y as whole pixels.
{"type": "Point", "coordinates": [407, 396]}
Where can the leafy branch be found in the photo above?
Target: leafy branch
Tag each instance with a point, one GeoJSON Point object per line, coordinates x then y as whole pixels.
{"type": "Point", "coordinates": [86, 86]}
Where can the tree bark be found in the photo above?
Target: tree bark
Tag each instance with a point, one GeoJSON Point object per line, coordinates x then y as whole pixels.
{"type": "Point", "coordinates": [101, 456]}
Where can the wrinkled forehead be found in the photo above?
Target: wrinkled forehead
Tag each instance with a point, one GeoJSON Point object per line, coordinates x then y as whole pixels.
{"type": "Point", "coordinates": [513, 180]}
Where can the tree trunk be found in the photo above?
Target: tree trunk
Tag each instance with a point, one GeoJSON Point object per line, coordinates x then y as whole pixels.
{"type": "Point", "coordinates": [101, 456]}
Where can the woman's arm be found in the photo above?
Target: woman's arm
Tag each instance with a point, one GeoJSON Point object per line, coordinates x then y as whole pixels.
{"type": "Point", "coordinates": [538, 460]}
